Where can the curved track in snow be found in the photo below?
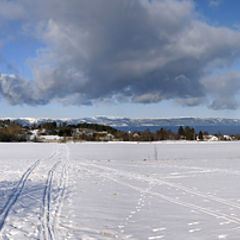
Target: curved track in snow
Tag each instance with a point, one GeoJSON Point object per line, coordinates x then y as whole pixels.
{"type": "Point", "coordinates": [15, 194]}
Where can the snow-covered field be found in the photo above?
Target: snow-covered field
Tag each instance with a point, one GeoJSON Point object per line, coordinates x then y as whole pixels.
{"type": "Point", "coordinates": [170, 190]}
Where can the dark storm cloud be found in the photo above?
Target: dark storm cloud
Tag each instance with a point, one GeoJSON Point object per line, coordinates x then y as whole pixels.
{"type": "Point", "coordinates": [135, 50]}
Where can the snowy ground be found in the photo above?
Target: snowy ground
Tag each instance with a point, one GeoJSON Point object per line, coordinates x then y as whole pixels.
{"type": "Point", "coordinates": [171, 190]}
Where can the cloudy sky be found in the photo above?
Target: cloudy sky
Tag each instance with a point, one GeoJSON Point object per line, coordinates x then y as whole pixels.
{"type": "Point", "coordinates": [133, 58]}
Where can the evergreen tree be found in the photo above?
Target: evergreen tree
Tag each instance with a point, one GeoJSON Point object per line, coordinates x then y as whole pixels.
{"type": "Point", "coordinates": [189, 133]}
{"type": "Point", "coordinates": [181, 132]}
{"type": "Point", "coordinates": [200, 136]}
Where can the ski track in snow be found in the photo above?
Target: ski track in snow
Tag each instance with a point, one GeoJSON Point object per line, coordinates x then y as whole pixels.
{"type": "Point", "coordinates": [115, 175]}
{"type": "Point", "coordinates": [49, 208]}
{"type": "Point", "coordinates": [169, 199]}
{"type": "Point", "coordinates": [47, 227]}
{"type": "Point", "coordinates": [172, 185]}
{"type": "Point", "coordinates": [15, 195]}
{"type": "Point", "coordinates": [45, 202]}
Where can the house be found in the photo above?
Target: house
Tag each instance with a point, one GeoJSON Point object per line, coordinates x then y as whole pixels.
{"type": "Point", "coordinates": [135, 135]}
{"type": "Point", "coordinates": [210, 138]}
{"type": "Point", "coordinates": [227, 138]}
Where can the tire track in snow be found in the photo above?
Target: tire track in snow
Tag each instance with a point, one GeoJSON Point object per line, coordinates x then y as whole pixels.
{"type": "Point", "coordinates": [15, 194]}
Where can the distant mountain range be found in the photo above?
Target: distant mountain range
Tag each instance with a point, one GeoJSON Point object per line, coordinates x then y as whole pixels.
{"type": "Point", "coordinates": [131, 122]}
{"type": "Point", "coordinates": [212, 125]}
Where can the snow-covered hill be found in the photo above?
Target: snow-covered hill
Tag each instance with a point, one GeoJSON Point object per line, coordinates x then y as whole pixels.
{"type": "Point", "coordinates": [128, 122]}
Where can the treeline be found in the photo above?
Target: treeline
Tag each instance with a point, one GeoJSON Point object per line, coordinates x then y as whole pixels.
{"type": "Point", "coordinates": [65, 130]}
{"type": "Point", "coordinates": [186, 133]}
{"type": "Point", "coordinates": [14, 132]}
{"type": "Point", "coordinates": [183, 133]}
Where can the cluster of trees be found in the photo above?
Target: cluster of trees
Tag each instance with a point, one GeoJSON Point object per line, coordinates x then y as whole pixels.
{"type": "Point", "coordinates": [12, 132]}
{"type": "Point", "coordinates": [188, 133]}
{"type": "Point", "coordinates": [97, 127]}
{"type": "Point", "coordinates": [146, 135]}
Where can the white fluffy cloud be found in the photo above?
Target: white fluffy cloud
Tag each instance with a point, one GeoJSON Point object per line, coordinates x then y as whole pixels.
{"type": "Point", "coordinates": [224, 88]}
{"type": "Point", "coordinates": [135, 50]}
